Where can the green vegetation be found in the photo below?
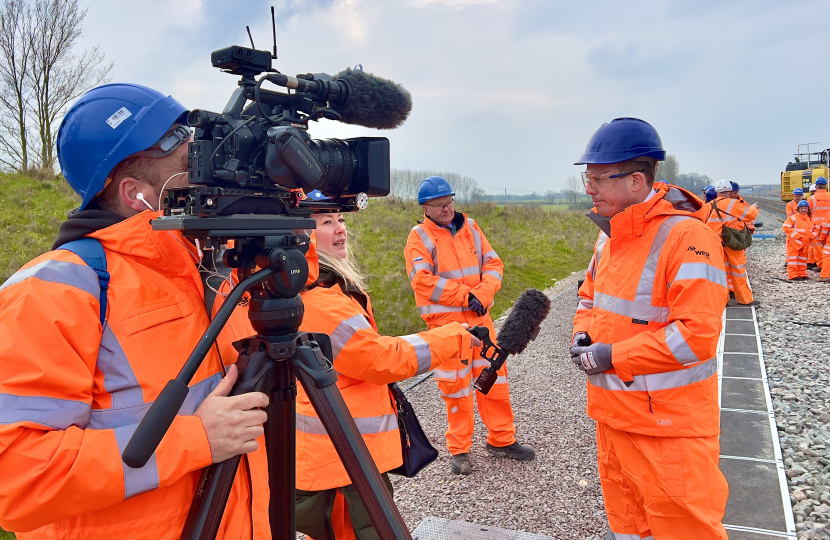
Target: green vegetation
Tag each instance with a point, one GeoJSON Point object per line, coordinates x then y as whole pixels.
{"type": "Point", "coordinates": [537, 246]}
{"type": "Point", "coordinates": [6, 535]}
{"type": "Point", "coordinates": [30, 212]}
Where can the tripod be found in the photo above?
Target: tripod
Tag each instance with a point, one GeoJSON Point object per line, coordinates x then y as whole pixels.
{"type": "Point", "coordinates": [271, 362]}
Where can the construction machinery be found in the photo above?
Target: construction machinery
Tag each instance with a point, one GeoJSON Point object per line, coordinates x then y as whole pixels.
{"type": "Point", "coordinates": [808, 164]}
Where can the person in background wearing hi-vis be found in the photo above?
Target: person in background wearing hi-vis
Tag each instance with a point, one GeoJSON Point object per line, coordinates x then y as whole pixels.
{"type": "Point", "coordinates": [822, 233]}
{"type": "Point", "coordinates": [455, 274]}
{"type": "Point", "coordinates": [799, 230]}
{"type": "Point", "coordinates": [820, 207]}
{"type": "Point", "coordinates": [646, 333]}
{"type": "Point", "coordinates": [792, 206]}
{"type": "Point", "coordinates": [811, 259]}
{"type": "Point", "coordinates": [728, 211]}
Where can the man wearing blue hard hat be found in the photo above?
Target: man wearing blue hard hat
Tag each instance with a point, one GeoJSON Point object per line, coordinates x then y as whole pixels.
{"type": "Point", "coordinates": [646, 334]}
{"type": "Point", "coordinates": [94, 330]}
{"type": "Point", "coordinates": [820, 208]}
{"type": "Point", "coordinates": [455, 274]}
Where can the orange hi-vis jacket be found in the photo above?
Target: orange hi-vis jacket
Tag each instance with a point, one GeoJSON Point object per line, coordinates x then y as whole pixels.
{"type": "Point", "coordinates": [735, 214]}
{"type": "Point", "coordinates": [655, 290]}
{"type": "Point", "coordinates": [799, 229]}
{"type": "Point", "coordinates": [820, 206]}
{"type": "Point", "coordinates": [444, 270]}
{"type": "Point", "coordinates": [365, 363]}
{"type": "Point", "coordinates": [72, 393]}
{"type": "Point", "coordinates": [792, 208]}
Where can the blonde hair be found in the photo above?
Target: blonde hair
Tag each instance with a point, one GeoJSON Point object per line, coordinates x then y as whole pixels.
{"type": "Point", "coordinates": [344, 268]}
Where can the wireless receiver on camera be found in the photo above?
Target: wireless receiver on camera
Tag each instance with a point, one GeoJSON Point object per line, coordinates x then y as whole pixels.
{"type": "Point", "coordinates": [521, 327]}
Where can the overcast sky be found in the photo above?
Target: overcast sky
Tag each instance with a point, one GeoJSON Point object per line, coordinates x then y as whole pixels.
{"type": "Point", "coordinates": [509, 92]}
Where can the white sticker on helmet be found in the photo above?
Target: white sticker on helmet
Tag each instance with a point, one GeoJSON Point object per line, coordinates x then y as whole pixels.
{"type": "Point", "coordinates": [120, 115]}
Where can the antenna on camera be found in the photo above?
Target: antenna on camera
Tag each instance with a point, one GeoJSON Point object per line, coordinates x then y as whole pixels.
{"type": "Point", "coordinates": [274, 29]}
{"type": "Point", "coordinates": [248, 28]}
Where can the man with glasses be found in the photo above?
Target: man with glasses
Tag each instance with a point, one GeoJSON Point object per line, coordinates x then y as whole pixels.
{"type": "Point", "coordinates": [455, 274]}
{"type": "Point", "coordinates": [646, 333]}
{"type": "Point", "coordinates": [92, 332]}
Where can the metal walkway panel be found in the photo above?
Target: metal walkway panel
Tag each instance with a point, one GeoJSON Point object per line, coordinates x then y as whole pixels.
{"type": "Point", "coordinates": [433, 528]}
{"type": "Point", "coordinates": [758, 507]}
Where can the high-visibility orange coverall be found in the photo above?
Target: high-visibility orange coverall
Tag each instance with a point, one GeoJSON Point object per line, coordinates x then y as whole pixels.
{"type": "Point", "coordinates": [656, 290]}
{"type": "Point", "coordinates": [823, 234]}
{"type": "Point", "coordinates": [735, 214]}
{"type": "Point", "coordinates": [791, 207]}
{"type": "Point", "coordinates": [799, 230]}
{"type": "Point", "coordinates": [443, 270]}
{"type": "Point", "coordinates": [365, 363]}
{"type": "Point", "coordinates": [72, 393]}
{"type": "Point", "coordinates": [820, 208]}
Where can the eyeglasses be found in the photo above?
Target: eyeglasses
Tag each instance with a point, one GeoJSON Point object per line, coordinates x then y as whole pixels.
{"type": "Point", "coordinates": [598, 181]}
{"type": "Point", "coordinates": [442, 206]}
{"type": "Point", "coordinates": [168, 143]}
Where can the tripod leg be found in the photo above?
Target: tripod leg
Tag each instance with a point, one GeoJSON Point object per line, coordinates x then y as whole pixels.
{"type": "Point", "coordinates": [280, 441]}
{"type": "Point", "coordinates": [310, 365]}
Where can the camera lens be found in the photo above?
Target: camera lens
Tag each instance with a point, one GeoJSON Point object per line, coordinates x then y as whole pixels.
{"type": "Point", "coordinates": [338, 160]}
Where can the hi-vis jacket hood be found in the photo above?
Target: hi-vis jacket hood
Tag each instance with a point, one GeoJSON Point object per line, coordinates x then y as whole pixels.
{"type": "Point", "coordinates": [72, 393]}
{"type": "Point", "coordinates": [655, 290]}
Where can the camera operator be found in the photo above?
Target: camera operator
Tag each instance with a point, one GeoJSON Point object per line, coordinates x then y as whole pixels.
{"type": "Point", "coordinates": [646, 333]}
{"type": "Point", "coordinates": [73, 390]}
{"type": "Point", "coordinates": [455, 274]}
{"type": "Point", "coordinates": [336, 303]}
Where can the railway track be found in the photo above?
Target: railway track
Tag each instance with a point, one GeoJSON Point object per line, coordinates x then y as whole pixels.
{"type": "Point", "coordinates": [775, 207]}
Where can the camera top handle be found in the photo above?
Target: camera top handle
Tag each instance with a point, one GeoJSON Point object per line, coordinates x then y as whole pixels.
{"type": "Point", "coordinates": [164, 409]}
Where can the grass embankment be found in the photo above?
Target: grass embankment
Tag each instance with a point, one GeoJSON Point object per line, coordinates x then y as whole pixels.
{"type": "Point", "coordinates": [537, 246]}
{"type": "Point", "coordinates": [30, 213]}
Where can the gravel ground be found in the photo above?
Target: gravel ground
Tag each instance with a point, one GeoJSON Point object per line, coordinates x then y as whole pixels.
{"type": "Point", "coordinates": [557, 494]}
{"type": "Point", "coordinates": [797, 358]}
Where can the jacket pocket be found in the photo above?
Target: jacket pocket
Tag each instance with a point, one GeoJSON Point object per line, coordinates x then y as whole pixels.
{"type": "Point", "coordinates": [673, 466]}
{"type": "Point", "coordinates": [155, 316]}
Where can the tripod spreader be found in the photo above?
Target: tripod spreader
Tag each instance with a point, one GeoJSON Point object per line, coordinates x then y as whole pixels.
{"type": "Point", "coordinates": [163, 411]}
{"type": "Point", "coordinates": [493, 354]}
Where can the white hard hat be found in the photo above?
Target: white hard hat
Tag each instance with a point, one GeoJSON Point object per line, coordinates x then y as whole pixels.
{"type": "Point", "coordinates": [723, 185]}
{"type": "Point", "coordinates": [813, 188]}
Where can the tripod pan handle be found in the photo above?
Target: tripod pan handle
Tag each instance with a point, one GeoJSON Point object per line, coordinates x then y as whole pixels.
{"type": "Point", "coordinates": [154, 425]}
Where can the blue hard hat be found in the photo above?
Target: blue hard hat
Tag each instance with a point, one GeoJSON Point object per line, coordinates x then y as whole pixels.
{"type": "Point", "coordinates": [432, 188]}
{"type": "Point", "coordinates": [707, 188]}
{"type": "Point", "coordinates": [735, 186]}
{"type": "Point", "coordinates": [821, 181]}
{"type": "Point", "coordinates": [798, 191]}
{"type": "Point", "coordinates": [802, 203]}
{"type": "Point", "coordinates": [107, 125]}
{"type": "Point", "coordinates": [316, 195]}
{"type": "Point", "coordinates": [623, 139]}
{"type": "Point", "coordinates": [711, 194]}
{"type": "Point", "coordinates": [661, 182]}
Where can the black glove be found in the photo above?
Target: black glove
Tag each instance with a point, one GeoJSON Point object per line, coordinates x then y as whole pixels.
{"type": "Point", "coordinates": [474, 304]}
{"type": "Point", "coordinates": [592, 359]}
{"type": "Point", "coordinates": [581, 339]}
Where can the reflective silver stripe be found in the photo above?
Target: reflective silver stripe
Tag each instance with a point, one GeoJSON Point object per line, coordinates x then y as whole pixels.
{"type": "Point", "coordinates": [420, 266]}
{"type": "Point", "coordinates": [344, 332]}
{"type": "Point", "coordinates": [470, 271]}
{"type": "Point", "coordinates": [700, 271]}
{"type": "Point", "coordinates": [620, 536]}
{"type": "Point", "coordinates": [79, 276]}
{"type": "Point", "coordinates": [429, 245]}
{"type": "Point", "coordinates": [657, 381]}
{"type": "Point", "coordinates": [501, 379]}
{"type": "Point", "coordinates": [455, 373]}
{"type": "Point", "coordinates": [480, 362]}
{"type": "Point", "coordinates": [745, 212]}
{"type": "Point", "coordinates": [601, 240]}
{"type": "Point", "coordinates": [451, 274]}
{"type": "Point", "coordinates": [438, 290]}
{"type": "Point", "coordinates": [493, 273]}
{"type": "Point", "coordinates": [136, 481]}
{"type": "Point", "coordinates": [426, 310]}
{"type": "Point", "coordinates": [119, 379]}
{"type": "Point", "coordinates": [422, 351]}
{"type": "Point", "coordinates": [366, 426]}
{"type": "Point", "coordinates": [477, 239]}
{"type": "Point", "coordinates": [632, 309]}
{"type": "Point", "coordinates": [461, 393]}
{"type": "Point", "coordinates": [592, 266]}
{"type": "Point", "coordinates": [730, 205]}
{"type": "Point", "coordinates": [51, 412]}
{"type": "Point", "coordinates": [490, 255]}
{"type": "Point", "coordinates": [678, 346]}
{"type": "Point", "coordinates": [585, 303]}
{"type": "Point", "coordinates": [737, 266]}
{"type": "Point", "coordinates": [115, 418]}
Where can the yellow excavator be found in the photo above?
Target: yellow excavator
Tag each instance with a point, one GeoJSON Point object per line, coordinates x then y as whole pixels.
{"type": "Point", "coordinates": [804, 169]}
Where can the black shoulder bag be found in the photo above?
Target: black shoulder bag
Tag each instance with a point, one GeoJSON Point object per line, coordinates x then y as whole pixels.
{"type": "Point", "coordinates": [418, 452]}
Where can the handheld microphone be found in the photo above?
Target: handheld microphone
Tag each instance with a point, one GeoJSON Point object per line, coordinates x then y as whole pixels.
{"type": "Point", "coordinates": [521, 327]}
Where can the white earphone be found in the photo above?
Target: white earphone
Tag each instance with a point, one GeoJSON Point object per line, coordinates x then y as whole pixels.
{"type": "Point", "coordinates": [140, 197]}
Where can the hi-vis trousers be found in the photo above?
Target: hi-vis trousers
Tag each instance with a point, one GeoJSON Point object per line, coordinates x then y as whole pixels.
{"type": "Point", "coordinates": [797, 259]}
{"type": "Point", "coordinates": [663, 488]}
{"type": "Point", "coordinates": [456, 387]}
{"type": "Point", "coordinates": [735, 262]}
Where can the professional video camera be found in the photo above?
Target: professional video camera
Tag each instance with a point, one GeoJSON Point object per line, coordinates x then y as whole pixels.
{"type": "Point", "coordinates": [247, 166]}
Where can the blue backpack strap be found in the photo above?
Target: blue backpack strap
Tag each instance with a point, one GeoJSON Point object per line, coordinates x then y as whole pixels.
{"type": "Point", "coordinates": [92, 253]}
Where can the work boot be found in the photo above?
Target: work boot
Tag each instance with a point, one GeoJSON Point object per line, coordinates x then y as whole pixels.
{"type": "Point", "coordinates": [731, 294]}
{"type": "Point", "coordinates": [823, 279]}
{"type": "Point", "coordinates": [753, 303]}
{"type": "Point", "coordinates": [513, 451]}
{"type": "Point", "coordinates": [461, 464]}
{"type": "Point", "coordinates": [811, 266]}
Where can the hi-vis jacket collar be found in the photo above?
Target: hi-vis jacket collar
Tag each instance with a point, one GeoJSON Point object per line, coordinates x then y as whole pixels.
{"type": "Point", "coordinates": [667, 200]}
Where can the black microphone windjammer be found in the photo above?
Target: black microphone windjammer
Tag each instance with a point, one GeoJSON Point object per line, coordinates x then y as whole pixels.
{"type": "Point", "coordinates": [373, 101]}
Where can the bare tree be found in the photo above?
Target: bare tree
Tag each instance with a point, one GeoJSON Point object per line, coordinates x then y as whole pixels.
{"type": "Point", "coordinates": [668, 170]}
{"type": "Point", "coordinates": [58, 76]}
{"type": "Point", "coordinates": [405, 183]}
{"type": "Point", "coordinates": [574, 187]}
{"type": "Point", "coordinates": [15, 62]}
